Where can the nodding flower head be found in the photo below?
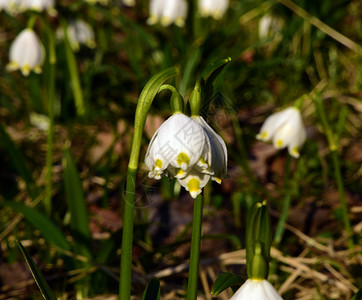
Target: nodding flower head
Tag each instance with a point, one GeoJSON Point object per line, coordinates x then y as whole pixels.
{"type": "Point", "coordinates": [26, 53]}
{"type": "Point", "coordinates": [80, 32]}
{"type": "Point", "coordinates": [167, 12]}
{"type": "Point", "coordinates": [256, 290]}
{"type": "Point", "coordinates": [213, 8]}
{"type": "Point", "coordinates": [188, 149]}
{"type": "Point", "coordinates": [286, 129]}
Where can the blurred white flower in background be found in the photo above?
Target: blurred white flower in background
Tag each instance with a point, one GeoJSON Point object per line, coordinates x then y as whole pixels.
{"type": "Point", "coordinates": [26, 53]}
{"type": "Point", "coordinates": [256, 290]}
{"type": "Point", "coordinates": [39, 121]}
{"type": "Point", "coordinates": [167, 12]}
{"type": "Point", "coordinates": [188, 149]}
{"type": "Point", "coordinates": [270, 26]}
{"type": "Point", "coordinates": [286, 129]}
{"type": "Point", "coordinates": [129, 2]}
{"type": "Point", "coordinates": [80, 33]}
{"type": "Point", "coordinates": [213, 8]}
{"type": "Point", "coordinates": [38, 5]}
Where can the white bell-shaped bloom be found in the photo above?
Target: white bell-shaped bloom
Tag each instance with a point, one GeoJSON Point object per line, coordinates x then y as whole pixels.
{"type": "Point", "coordinates": [256, 290]}
{"type": "Point", "coordinates": [167, 12]}
{"type": "Point", "coordinates": [38, 5]}
{"type": "Point", "coordinates": [10, 6]}
{"type": "Point", "coordinates": [270, 25]}
{"type": "Point", "coordinates": [26, 53]}
{"type": "Point", "coordinates": [286, 129]}
{"type": "Point", "coordinates": [213, 8]}
{"type": "Point", "coordinates": [80, 32]}
{"type": "Point", "coordinates": [188, 149]}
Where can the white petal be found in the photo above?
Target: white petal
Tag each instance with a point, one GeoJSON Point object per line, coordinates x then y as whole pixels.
{"type": "Point", "coordinates": [256, 290]}
{"type": "Point", "coordinates": [217, 151]}
{"type": "Point", "coordinates": [26, 51]}
{"type": "Point", "coordinates": [194, 181]}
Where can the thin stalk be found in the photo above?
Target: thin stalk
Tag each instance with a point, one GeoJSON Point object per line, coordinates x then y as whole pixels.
{"type": "Point", "coordinates": [342, 198]}
{"type": "Point", "coordinates": [333, 142]}
{"type": "Point", "coordinates": [286, 203]}
{"type": "Point", "coordinates": [144, 103]}
{"type": "Point", "coordinates": [195, 248]}
{"type": "Point", "coordinates": [50, 136]}
{"type": "Point", "coordinates": [73, 72]}
{"type": "Point", "coordinates": [127, 237]}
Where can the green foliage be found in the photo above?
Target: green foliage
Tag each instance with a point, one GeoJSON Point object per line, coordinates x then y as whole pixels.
{"type": "Point", "coordinates": [224, 281]}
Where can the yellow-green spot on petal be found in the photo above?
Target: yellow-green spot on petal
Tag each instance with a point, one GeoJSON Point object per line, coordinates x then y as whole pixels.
{"type": "Point", "coordinates": [217, 179]}
{"type": "Point", "coordinates": [180, 22]}
{"type": "Point", "coordinates": [294, 152]}
{"type": "Point", "coordinates": [263, 136]}
{"type": "Point", "coordinates": [165, 21]}
{"type": "Point", "coordinates": [279, 143]}
{"type": "Point", "coordinates": [25, 70]}
{"type": "Point", "coordinates": [183, 160]}
{"type": "Point", "coordinates": [179, 173]}
{"type": "Point", "coordinates": [158, 163]}
{"type": "Point", "coordinates": [194, 187]}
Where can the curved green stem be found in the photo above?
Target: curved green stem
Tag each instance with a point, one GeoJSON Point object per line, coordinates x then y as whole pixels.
{"type": "Point", "coordinates": [195, 248]}
{"type": "Point", "coordinates": [148, 94]}
{"type": "Point", "coordinates": [73, 72]}
{"type": "Point", "coordinates": [50, 136]}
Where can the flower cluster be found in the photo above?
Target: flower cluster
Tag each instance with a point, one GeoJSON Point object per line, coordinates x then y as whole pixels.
{"type": "Point", "coordinates": [286, 129]}
{"type": "Point", "coordinates": [190, 150]}
{"type": "Point", "coordinates": [174, 11]}
{"type": "Point", "coordinates": [18, 6]}
{"type": "Point", "coordinates": [28, 60]}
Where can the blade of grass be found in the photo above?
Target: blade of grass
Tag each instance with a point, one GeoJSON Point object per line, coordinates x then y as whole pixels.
{"type": "Point", "coordinates": [38, 277]}
{"type": "Point", "coordinates": [19, 162]}
{"type": "Point", "coordinates": [50, 232]}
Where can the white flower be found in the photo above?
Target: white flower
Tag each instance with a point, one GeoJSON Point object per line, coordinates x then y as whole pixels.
{"type": "Point", "coordinates": [269, 26]}
{"type": "Point", "coordinates": [286, 129]}
{"type": "Point", "coordinates": [80, 32]}
{"type": "Point", "coordinates": [168, 11]}
{"type": "Point", "coordinates": [129, 2]}
{"type": "Point", "coordinates": [38, 5]}
{"type": "Point", "coordinates": [188, 149]}
{"type": "Point", "coordinates": [26, 53]}
{"type": "Point", "coordinates": [256, 290]}
{"type": "Point", "coordinates": [10, 6]}
{"type": "Point", "coordinates": [213, 8]}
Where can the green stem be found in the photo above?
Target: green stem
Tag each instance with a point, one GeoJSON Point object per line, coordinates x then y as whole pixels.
{"type": "Point", "coordinates": [144, 103]}
{"type": "Point", "coordinates": [73, 72]}
{"type": "Point", "coordinates": [127, 237]}
{"type": "Point", "coordinates": [286, 203]}
{"type": "Point", "coordinates": [50, 136]}
{"type": "Point", "coordinates": [342, 198]}
{"type": "Point", "coordinates": [195, 249]}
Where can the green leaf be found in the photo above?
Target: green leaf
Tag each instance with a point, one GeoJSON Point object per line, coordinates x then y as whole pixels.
{"type": "Point", "coordinates": [19, 162]}
{"type": "Point", "coordinates": [358, 296]}
{"type": "Point", "coordinates": [224, 281]}
{"type": "Point", "coordinates": [38, 277]}
{"type": "Point", "coordinates": [152, 291]}
{"type": "Point", "coordinates": [77, 206]}
{"type": "Point", "coordinates": [50, 232]}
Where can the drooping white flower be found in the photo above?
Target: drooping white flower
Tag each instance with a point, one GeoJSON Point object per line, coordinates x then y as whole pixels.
{"type": "Point", "coordinates": [80, 32]}
{"type": "Point", "coordinates": [213, 8]}
{"type": "Point", "coordinates": [256, 290]}
{"type": "Point", "coordinates": [188, 149]}
{"type": "Point", "coordinates": [286, 129]}
{"type": "Point", "coordinates": [38, 5]}
{"type": "Point", "coordinates": [26, 53]}
{"type": "Point", "coordinates": [10, 6]}
{"type": "Point", "coordinates": [167, 12]}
